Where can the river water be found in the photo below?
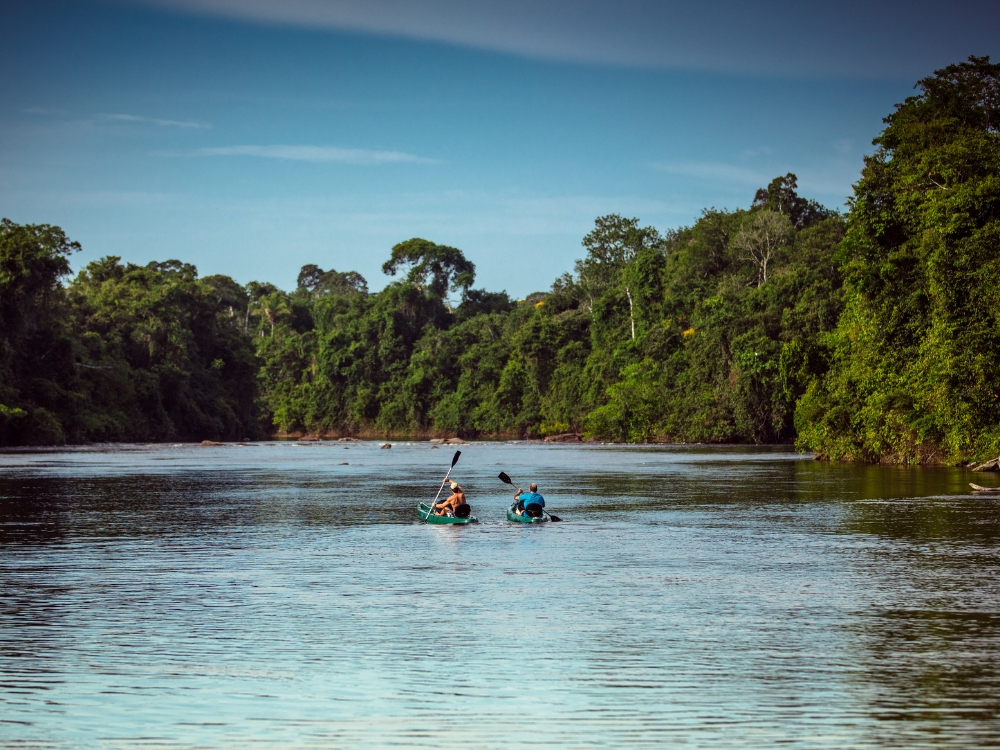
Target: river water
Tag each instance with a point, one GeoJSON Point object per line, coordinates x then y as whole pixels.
{"type": "Point", "coordinates": [273, 596]}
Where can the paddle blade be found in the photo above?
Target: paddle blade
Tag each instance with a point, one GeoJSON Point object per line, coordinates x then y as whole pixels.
{"type": "Point", "coordinates": [505, 479]}
{"type": "Point", "coordinates": [555, 519]}
{"type": "Point", "coordinates": [455, 459]}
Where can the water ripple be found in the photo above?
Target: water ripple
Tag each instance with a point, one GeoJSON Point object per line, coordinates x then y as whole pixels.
{"type": "Point", "coordinates": [159, 596]}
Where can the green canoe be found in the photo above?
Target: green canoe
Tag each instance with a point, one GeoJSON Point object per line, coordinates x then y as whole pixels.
{"type": "Point", "coordinates": [512, 516]}
{"type": "Point", "coordinates": [423, 509]}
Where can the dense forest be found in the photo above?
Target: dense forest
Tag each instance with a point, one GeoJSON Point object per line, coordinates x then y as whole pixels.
{"type": "Point", "coordinates": [872, 336]}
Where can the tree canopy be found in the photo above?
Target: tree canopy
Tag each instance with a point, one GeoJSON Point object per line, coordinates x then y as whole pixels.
{"type": "Point", "coordinates": [873, 336]}
{"type": "Point", "coordinates": [780, 197]}
{"type": "Point", "coordinates": [431, 268]}
{"type": "Point", "coordinates": [916, 372]}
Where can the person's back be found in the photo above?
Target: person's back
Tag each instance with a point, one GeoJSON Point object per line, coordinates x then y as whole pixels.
{"type": "Point", "coordinates": [455, 504]}
{"type": "Point", "coordinates": [530, 503]}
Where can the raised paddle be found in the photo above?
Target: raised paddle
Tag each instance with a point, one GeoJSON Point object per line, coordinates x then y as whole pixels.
{"type": "Point", "coordinates": [454, 460]}
{"type": "Point", "coordinates": [507, 480]}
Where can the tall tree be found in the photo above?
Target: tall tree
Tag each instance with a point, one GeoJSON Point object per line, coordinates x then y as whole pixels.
{"type": "Point", "coordinates": [780, 197]}
{"type": "Point", "coordinates": [760, 238]}
{"type": "Point", "coordinates": [433, 269]}
{"type": "Point", "coordinates": [612, 245]}
{"type": "Point", "coordinates": [35, 346]}
{"type": "Point", "coordinates": [315, 280]}
{"type": "Point", "coordinates": [916, 374]}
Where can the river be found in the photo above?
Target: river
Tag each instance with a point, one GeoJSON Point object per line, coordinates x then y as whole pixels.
{"type": "Point", "coordinates": [284, 595]}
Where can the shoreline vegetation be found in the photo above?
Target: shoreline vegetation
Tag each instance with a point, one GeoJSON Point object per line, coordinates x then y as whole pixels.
{"type": "Point", "coordinates": [867, 336]}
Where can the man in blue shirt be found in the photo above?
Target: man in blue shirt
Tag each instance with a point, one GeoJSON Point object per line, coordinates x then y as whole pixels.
{"type": "Point", "coordinates": [529, 503]}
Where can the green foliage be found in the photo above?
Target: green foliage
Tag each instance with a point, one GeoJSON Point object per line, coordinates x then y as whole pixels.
{"type": "Point", "coordinates": [434, 269]}
{"type": "Point", "coordinates": [745, 300]}
{"type": "Point", "coordinates": [780, 197]}
{"type": "Point", "coordinates": [711, 333]}
{"type": "Point", "coordinates": [37, 373]}
{"type": "Point", "coordinates": [165, 354]}
{"type": "Point", "coordinates": [316, 281]}
{"type": "Point", "coordinates": [700, 335]}
{"type": "Point", "coordinates": [124, 353]}
{"type": "Point", "coordinates": [915, 373]}
{"type": "Point", "coordinates": [872, 339]}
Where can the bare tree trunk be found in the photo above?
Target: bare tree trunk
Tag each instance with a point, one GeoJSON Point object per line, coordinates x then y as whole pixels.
{"type": "Point", "coordinates": [759, 240]}
{"type": "Point", "coordinates": [631, 311]}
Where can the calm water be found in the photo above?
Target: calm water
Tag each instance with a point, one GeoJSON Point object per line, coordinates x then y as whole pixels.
{"type": "Point", "coordinates": [271, 596]}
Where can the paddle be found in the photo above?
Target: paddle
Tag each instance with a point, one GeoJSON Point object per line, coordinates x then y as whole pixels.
{"type": "Point", "coordinates": [454, 460]}
{"type": "Point", "coordinates": [507, 480]}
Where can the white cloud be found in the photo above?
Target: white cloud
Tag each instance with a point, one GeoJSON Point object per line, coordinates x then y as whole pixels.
{"type": "Point", "coordinates": [115, 117]}
{"type": "Point", "coordinates": [318, 154]}
{"type": "Point", "coordinates": [771, 37]}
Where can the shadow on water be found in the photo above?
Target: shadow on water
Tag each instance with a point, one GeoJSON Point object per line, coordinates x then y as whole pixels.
{"type": "Point", "coordinates": [43, 510]}
{"type": "Point", "coordinates": [931, 580]}
{"type": "Point", "coordinates": [929, 665]}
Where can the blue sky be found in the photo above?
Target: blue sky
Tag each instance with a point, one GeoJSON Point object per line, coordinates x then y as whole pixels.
{"type": "Point", "coordinates": [250, 137]}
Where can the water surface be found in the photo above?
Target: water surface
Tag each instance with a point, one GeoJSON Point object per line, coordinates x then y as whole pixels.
{"type": "Point", "coordinates": [273, 596]}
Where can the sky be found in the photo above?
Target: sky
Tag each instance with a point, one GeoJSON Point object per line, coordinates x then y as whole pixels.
{"type": "Point", "coordinates": [251, 137]}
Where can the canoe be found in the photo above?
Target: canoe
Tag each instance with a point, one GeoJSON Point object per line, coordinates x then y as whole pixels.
{"type": "Point", "coordinates": [512, 516]}
{"type": "Point", "coordinates": [977, 488]}
{"type": "Point", "coordinates": [424, 508]}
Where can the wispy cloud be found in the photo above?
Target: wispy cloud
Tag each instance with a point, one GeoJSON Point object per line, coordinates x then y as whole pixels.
{"type": "Point", "coordinates": [770, 37]}
{"type": "Point", "coordinates": [319, 154]}
{"type": "Point", "coordinates": [713, 171]}
{"type": "Point", "coordinates": [115, 117]}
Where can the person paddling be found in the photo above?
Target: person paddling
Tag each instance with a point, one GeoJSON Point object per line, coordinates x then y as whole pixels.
{"type": "Point", "coordinates": [455, 504]}
{"type": "Point", "coordinates": [529, 503]}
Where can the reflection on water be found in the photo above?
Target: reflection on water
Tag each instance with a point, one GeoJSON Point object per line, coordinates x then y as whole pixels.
{"type": "Point", "coordinates": [273, 596]}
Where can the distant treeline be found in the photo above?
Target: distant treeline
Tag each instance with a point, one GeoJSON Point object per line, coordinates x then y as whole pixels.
{"type": "Point", "coordinates": [873, 336]}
